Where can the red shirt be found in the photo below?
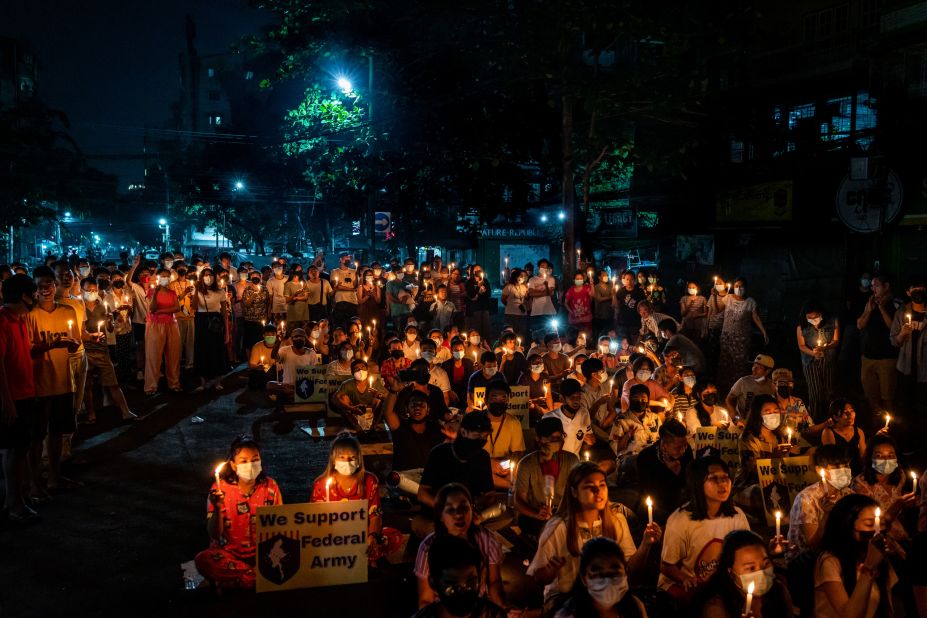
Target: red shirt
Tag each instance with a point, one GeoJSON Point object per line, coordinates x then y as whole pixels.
{"type": "Point", "coordinates": [164, 298]}
{"type": "Point", "coordinates": [551, 468]}
{"type": "Point", "coordinates": [239, 514]}
{"type": "Point", "coordinates": [366, 490]}
{"type": "Point", "coordinates": [579, 304]}
{"type": "Point", "coordinates": [15, 352]}
{"type": "Point", "coordinates": [390, 368]}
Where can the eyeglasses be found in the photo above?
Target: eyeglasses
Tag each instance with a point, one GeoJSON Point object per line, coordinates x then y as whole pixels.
{"type": "Point", "coordinates": [718, 479]}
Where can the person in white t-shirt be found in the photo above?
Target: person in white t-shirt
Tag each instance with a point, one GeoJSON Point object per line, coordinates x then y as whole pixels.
{"type": "Point", "coordinates": [429, 352]}
{"type": "Point", "coordinates": [541, 290]}
{"type": "Point", "coordinates": [275, 287]}
{"type": "Point", "coordinates": [585, 513]}
{"type": "Point", "coordinates": [577, 424]}
{"type": "Point", "coordinates": [289, 358]}
{"type": "Point", "coordinates": [695, 531]}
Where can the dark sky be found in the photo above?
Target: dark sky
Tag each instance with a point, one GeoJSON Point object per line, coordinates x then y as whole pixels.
{"type": "Point", "coordinates": [111, 65]}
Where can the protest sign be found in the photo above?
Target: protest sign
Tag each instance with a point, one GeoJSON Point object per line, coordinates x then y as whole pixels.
{"type": "Point", "coordinates": [781, 480]}
{"type": "Point", "coordinates": [314, 386]}
{"type": "Point", "coordinates": [723, 442]}
{"type": "Point", "coordinates": [705, 439]}
{"type": "Point", "coordinates": [518, 405]}
{"type": "Point", "coordinates": [479, 397]}
{"type": "Point", "coordinates": [310, 545]}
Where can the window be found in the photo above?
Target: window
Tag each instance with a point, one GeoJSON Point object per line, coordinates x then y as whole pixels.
{"type": "Point", "coordinates": [210, 72]}
{"type": "Point", "coordinates": [249, 74]}
{"type": "Point", "coordinates": [215, 119]}
{"type": "Point", "coordinates": [869, 14]}
{"type": "Point", "coordinates": [214, 95]}
{"type": "Point", "coordinates": [826, 24]}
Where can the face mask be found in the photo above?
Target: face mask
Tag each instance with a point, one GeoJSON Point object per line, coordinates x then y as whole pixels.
{"type": "Point", "coordinates": [369, 280]}
{"type": "Point", "coordinates": [885, 466]}
{"type": "Point", "coordinates": [815, 321]}
{"type": "Point", "coordinates": [601, 376]}
{"type": "Point", "coordinates": [299, 344]}
{"type": "Point", "coordinates": [521, 280]}
{"type": "Point", "coordinates": [438, 342]}
{"type": "Point", "coordinates": [164, 281]}
{"type": "Point", "coordinates": [316, 334]}
{"type": "Point", "coordinates": [710, 399]}
{"type": "Point", "coordinates": [840, 478]}
{"type": "Point", "coordinates": [771, 421]}
{"type": "Point", "coordinates": [689, 381]}
{"type": "Point", "coordinates": [377, 272]}
{"type": "Point", "coordinates": [467, 447]}
{"type": "Point", "coordinates": [537, 368]}
{"type": "Point", "coordinates": [360, 375]}
{"type": "Point", "coordinates": [865, 282]}
{"type": "Point", "coordinates": [410, 269]}
{"type": "Point", "coordinates": [556, 347]}
{"type": "Point", "coordinates": [580, 342]}
{"type": "Point", "coordinates": [208, 280]}
{"type": "Point", "coordinates": [410, 337]}
{"type": "Point", "coordinates": [168, 263]}
{"type": "Point", "coordinates": [248, 471]}
{"type": "Point", "coordinates": [544, 271]}
{"type": "Point", "coordinates": [489, 371]}
{"type": "Point", "coordinates": [91, 296]}
{"type": "Point", "coordinates": [84, 271]}
{"type": "Point", "coordinates": [119, 284]}
{"type": "Point", "coordinates": [474, 341]}
{"type": "Point", "coordinates": [762, 581]}
{"type": "Point", "coordinates": [643, 375]}
{"type": "Point", "coordinates": [739, 291]}
{"type": "Point", "coordinates": [784, 391]}
{"type": "Point", "coordinates": [460, 603]}
{"type": "Point", "coordinates": [498, 408]}
{"type": "Point", "coordinates": [651, 279]}
{"type": "Point", "coordinates": [347, 354]}
{"type": "Point", "coordinates": [919, 296]}
{"type": "Point", "coordinates": [396, 354]}
{"type": "Point", "coordinates": [603, 349]}
{"type": "Point", "coordinates": [720, 287]}
{"type": "Point", "coordinates": [346, 468]}
{"type": "Point", "coordinates": [693, 291]}
{"type": "Point", "coordinates": [578, 283]}
{"type": "Point", "coordinates": [270, 339]}
{"type": "Point", "coordinates": [458, 354]}
{"type": "Point", "coordinates": [428, 356]}
{"type": "Point", "coordinates": [278, 271]}
{"type": "Point", "coordinates": [607, 591]}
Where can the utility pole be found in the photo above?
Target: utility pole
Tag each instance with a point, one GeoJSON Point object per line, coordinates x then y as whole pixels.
{"type": "Point", "coordinates": [371, 186]}
{"type": "Point", "coordinates": [569, 196]}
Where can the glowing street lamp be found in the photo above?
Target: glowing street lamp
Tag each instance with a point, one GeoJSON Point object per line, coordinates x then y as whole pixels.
{"type": "Point", "coordinates": [239, 185]}
{"type": "Point", "coordinates": [345, 85]}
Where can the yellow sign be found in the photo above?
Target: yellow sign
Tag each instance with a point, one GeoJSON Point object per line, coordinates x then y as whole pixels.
{"type": "Point", "coordinates": [310, 545]}
{"type": "Point", "coordinates": [313, 385]}
{"type": "Point", "coordinates": [781, 480]}
{"type": "Point", "coordinates": [479, 397]}
{"type": "Point", "coordinates": [518, 405]}
{"type": "Point", "coordinates": [724, 442]}
{"type": "Point", "coordinates": [705, 438]}
{"type": "Point", "coordinates": [763, 202]}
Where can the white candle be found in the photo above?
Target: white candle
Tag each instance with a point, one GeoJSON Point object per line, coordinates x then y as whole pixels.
{"type": "Point", "coordinates": [586, 455]}
{"type": "Point", "coordinates": [649, 510]}
{"type": "Point", "coordinates": [370, 379]}
{"type": "Point", "coordinates": [914, 482]}
{"type": "Point", "coordinates": [71, 329]}
{"type": "Point", "coordinates": [821, 472]}
{"type": "Point", "coordinates": [907, 319]}
{"type": "Point", "coordinates": [328, 489]}
{"type": "Point", "coordinates": [788, 433]}
{"type": "Point", "coordinates": [888, 419]}
{"type": "Point", "coordinates": [878, 520]}
{"type": "Point", "coordinates": [218, 470]}
{"type": "Point", "coordinates": [727, 419]}
{"type": "Point", "coordinates": [374, 323]}
{"type": "Point", "coordinates": [262, 361]}
{"type": "Point", "coordinates": [283, 325]}
{"type": "Point", "coordinates": [778, 523]}
{"type": "Point", "coordinates": [749, 599]}
{"type": "Point", "coordinates": [100, 326]}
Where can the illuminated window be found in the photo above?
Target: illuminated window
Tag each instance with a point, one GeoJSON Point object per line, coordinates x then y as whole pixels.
{"type": "Point", "coordinates": [249, 74]}
{"type": "Point", "coordinates": [210, 72]}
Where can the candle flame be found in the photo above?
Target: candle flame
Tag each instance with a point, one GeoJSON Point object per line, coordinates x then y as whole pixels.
{"type": "Point", "coordinates": [913, 475]}
{"type": "Point", "coordinates": [778, 515]}
{"type": "Point", "coordinates": [219, 467]}
{"type": "Point", "coordinates": [649, 501]}
{"type": "Point", "coordinates": [750, 588]}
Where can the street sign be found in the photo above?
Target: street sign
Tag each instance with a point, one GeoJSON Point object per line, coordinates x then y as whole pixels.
{"type": "Point", "coordinates": [382, 221]}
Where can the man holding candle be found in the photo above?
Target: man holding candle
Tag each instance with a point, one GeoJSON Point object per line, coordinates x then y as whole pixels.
{"type": "Point", "coordinates": [879, 355]}
{"type": "Point", "coordinates": [344, 282]}
{"type": "Point", "coordinates": [907, 335]}
{"type": "Point", "coordinates": [661, 469]}
{"type": "Point", "coordinates": [458, 370]}
{"type": "Point", "coordinates": [289, 358]}
{"type": "Point", "coordinates": [507, 438]}
{"type": "Point", "coordinates": [260, 359]}
{"type": "Point", "coordinates": [357, 400]}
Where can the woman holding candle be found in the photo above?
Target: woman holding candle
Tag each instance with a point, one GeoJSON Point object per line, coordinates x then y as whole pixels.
{"type": "Point", "coordinates": [585, 513]}
{"type": "Point", "coordinates": [818, 337]}
{"type": "Point", "coordinates": [706, 412]}
{"type": "Point", "coordinates": [744, 561]}
{"type": "Point", "coordinates": [345, 478]}
{"type": "Point", "coordinates": [601, 588]}
{"type": "Point", "coordinates": [514, 298]}
{"type": "Point", "coordinates": [296, 297]}
{"type": "Point", "coordinates": [852, 579]}
{"type": "Point", "coordinates": [883, 478]}
{"type": "Point", "coordinates": [162, 335]}
{"type": "Point", "coordinates": [454, 516]}
{"type": "Point", "coordinates": [369, 299]}
{"type": "Point", "coordinates": [241, 487]}
{"type": "Point", "coordinates": [741, 313]}
{"type": "Point", "coordinates": [604, 310]}
{"type": "Point", "coordinates": [845, 434]}
{"type": "Point", "coordinates": [210, 303]}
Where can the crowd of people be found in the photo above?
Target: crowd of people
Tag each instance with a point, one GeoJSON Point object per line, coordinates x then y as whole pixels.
{"type": "Point", "coordinates": [621, 511]}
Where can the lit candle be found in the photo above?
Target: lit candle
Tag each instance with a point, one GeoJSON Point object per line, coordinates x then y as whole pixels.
{"type": "Point", "coordinates": [71, 329]}
{"type": "Point", "coordinates": [788, 433]}
{"type": "Point", "coordinates": [100, 326]}
{"type": "Point", "coordinates": [640, 349]}
{"type": "Point", "coordinates": [820, 341]}
{"type": "Point", "coordinates": [328, 489]}
{"type": "Point", "coordinates": [907, 319]}
{"type": "Point", "coordinates": [888, 417]}
{"type": "Point", "coordinates": [914, 482]}
{"type": "Point", "coordinates": [778, 523]}
{"type": "Point", "coordinates": [649, 510]}
{"type": "Point", "coordinates": [727, 419]}
{"type": "Point", "coordinates": [106, 306]}
{"type": "Point", "coordinates": [679, 417]}
{"type": "Point", "coordinates": [749, 599]}
{"type": "Point", "coordinates": [370, 379]}
{"type": "Point", "coordinates": [474, 357]}
{"type": "Point", "coordinates": [374, 323]}
{"type": "Point", "coordinates": [368, 332]}
{"type": "Point", "coordinates": [715, 279]}
{"type": "Point", "coordinates": [262, 361]}
{"type": "Point", "coordinates": [878, 520]}
{"type": "Point", "coordinates": [611, 384]}
{"type": "Point", "coordinates": [728, 287]}
{"type": "Point", "coordinates": [545, 396]}
{"type": "Point", "coordinates": [665, 403]}
{"type": "Point", "coordinates": [586, 455]}
{"type": "Point", "coordinates": [218, 470]}
{"type": "Point", "coordinates": [263, 323]}
{"type": "Point", "coordinates": [821, 472]}
{"type": "Point", "coordinates": [283, 325]}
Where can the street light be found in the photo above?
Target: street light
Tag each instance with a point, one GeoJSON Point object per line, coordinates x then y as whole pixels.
{"type": "Point", "coordinates": [166, 237]}
{"type": "Point", "coordinates": [543, 218]}
{"type": "Point", "coordinates": [239, 185]}
{"type": "Point", "coordinates": [561, 215]}
{"type": "Point", "coordinates": [345, 85]}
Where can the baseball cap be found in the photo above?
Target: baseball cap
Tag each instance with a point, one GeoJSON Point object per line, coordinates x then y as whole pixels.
{"type": "Point", "coordinates": [548, 426]}
{"type": "Point", "coordinates": [782, 374]}
{"type": "Point", "coordinates": [476, 421]}
{"type": "Point", "coordinates": [764, 360]}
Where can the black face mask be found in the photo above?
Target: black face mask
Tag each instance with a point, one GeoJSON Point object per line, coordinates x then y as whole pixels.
{"type": "Point", "coordinates": [460, 603]}
{"type": "Point", "coordinates": [422, 378]}
{"type": "Point", "coordinates": [396, 354]}
{"type": "Point", "coordinates": [468, 447]}
{"type": "Point", "coordinates": [119, 284]}
{"type": "Point", "coordinates": [103, 285]}
{"type": "Point", "coordinates": [256, 281]}
{"type": "Point", "coordinates": [710, 399]}
{"type": "Point", "coordinates": [919, 296]}
{"type": "Point", "coordinates": [498, 408]}
{"type": "Point", "coordinates": [299, 344]}
{"type": "Point", "coordinates": [784, 391]}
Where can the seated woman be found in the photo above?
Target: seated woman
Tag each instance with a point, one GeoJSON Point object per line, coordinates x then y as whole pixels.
{"type": "Point", "coordinates": [744, 560]}
{"type": "Point", "coordinates": [585, 513]}
{"type": "Point", "coordinates": [356, 399]}
{"type": "Point", "coordinates": [706, 412]}
{"type": "Point", "coordinates": [230, 517]}
{"type": "Point", "coordinates": [852, 579]}
{"type": "Point", "coordinates": [260, 361]}
{"type": "Point", "coordinates": [883, 478]}
{"type": "Point", "coordinates": [844, 433]}
{"type": "Point", "coordinates": [454, 572]}
{"type": "Point", "coordinates": [601, 590]}
{"type": "Point", "coordinates": [345, 478]}
{"type": "Point", "coordinates": [454, 517]}
{"type": "Point", "coordinates": [695, 530]}
{"type": "Point", "coordinates": [759, 440]}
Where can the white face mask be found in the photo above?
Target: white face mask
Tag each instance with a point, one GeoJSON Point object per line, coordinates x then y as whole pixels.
{"type": "Point", "coordinates": [316, 334]}
{"type": "Point", "coordinates": [248, 471]}
{"type": "Point", "coordinates": [346, 468]}
{"type": "Point", "coordinates": [739, 291]}
{"type": "Point", "coordinates": [208, 280]}
{"type": "Point", "coordinates": [410, 337]}
{"type": "Point", "coordinates": [377, 272]}
{"type": "Point", "coordinates": [474, 341]}
{"type": "Point", "coordinates": [457, 354]}
{"type": "Point", "coordinates": [347, 354]}
{"type": "Point", "coordinates": [603, 349]}
{"type": "Point", "coordinates": [91, 296]}
{"type": "Point", "coordinates": [689, 381]}
{"type": "Point", "coordinates": [762, 581]}
{"type": "Point", "coordinates": [368, 279]}
{"type": "Point", "coordinates": [607, 591]}
{"type": "Point", "coordinates": [360, 375]}
{"type": "Point", "coordinates": [693, 291]}
{"type": "Point", "coordinates": [521, 281]}
{"type": "Point", "coordinates": [537, 369]}
{"type": "Point", "coordinates": [719, 287]}
{"type": "Point", "coordinates": [578, 283]}
{"type": "Point", "coordinates": [438, 342]}
{"type": "Point", "coordinates": [164, 281]}
{"type": "Point", "coordinates": [556, 347]}
{"type": "Point", "coordinates": [840, 478]}
{"type": "Point", "coordinates": [865, 282]}
{"type": "Point", "coordinates": [580, 342]}
{"type": "Point", "coordinates": [601, 376]}
{"type": "Point", "coordinates": [815, 321]}
{"type": "Point", "coordinates": [884, 466]}
{"type": "Point", "coordinates": [771, 421]}
{"type": "Point", "coordinates": [544, 272]}
{"type": "Point", "coordinates": [490, 371]}
{"type": "Point", "coordinates": [643, 375]}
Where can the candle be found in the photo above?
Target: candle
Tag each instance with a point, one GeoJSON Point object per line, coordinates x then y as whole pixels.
{"type": "Point", "coordinates": [749, 599]}
{"type": "Point", "coordinates": [878, 520]}
{"type": "Point", "coordinates": [907, 319]}
{"type": "Point", "coordinates": [778, 523]}
{"type": "Point", "coordinates": [727, 419]}
{"type": "Point", "coordinates": [328, 489]}
{"type": "Point", "coordinates": [640, 349]}
{"type": "Point", "coordinates": [728, 287]}
{"type": "Point", "coordinates": [914, 482]}
{"type": "Point", "coordinates": [715, 279]}
{"type": "Point", "coordinates": [262, 361]}
{"type": "Point", "coordinates": [679, 417]}
{"type": "Point", "coordinates": [888, 417]}
{"type": "Point", "coordinates": [545, 396]}
{"type": "Point", "coordinates": [100, 326]}
{"type": "Point", "coordinates": [370, 379]}
{"type": "Point", "coordinates": [820, 341]}
{"type": "Point", "coordinates": [218, 470]}
{"type": "Point", "coordinates": [518, 339]}
{"type": "Point", "coordinates": [788, 433]}
{"type": "Point", "coordinates": [283, 325]}
{"type": "Point", "coordinates": [106, 306]}
{"type": "Point", "coordinates": [374, 323]}
{"type": "Point", "coordinates": [611, 384]}
{"type": "Point", "coordinates": [821, 472]}
{"type": "Point", "coordinates": [263, 323]}
{"type": "Point", "coordinates": [665, 403]}
{"type": "Point", "coordinates": [586, 455]}
{"type": "Point", "coordinates": [71, 329]}
{"type": "Point", "coordinates": [649, 510]}
{"type": "Point", "coordinates": [474, 357]}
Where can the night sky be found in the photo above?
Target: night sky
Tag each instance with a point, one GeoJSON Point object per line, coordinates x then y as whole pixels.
{"type": "Point", "coordinates": [111, 65]}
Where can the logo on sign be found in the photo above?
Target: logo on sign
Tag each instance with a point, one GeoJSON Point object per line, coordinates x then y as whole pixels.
{"type": "Point", "coordinates": [381, 222]}
{"type": "Point", "coordinates": [305, 387]}
{"type": "Point", "coordinates": [278, 558]}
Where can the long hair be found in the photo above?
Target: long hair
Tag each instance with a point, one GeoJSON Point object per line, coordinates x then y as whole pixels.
{"type": "Point", "coordinates": [570, 509]}
{"type": "Point", "coordinates": [896, 477]}
{"type": "Point", "coordinates": [697, 505]}
{"type": "Point", "coordinates": [811, 306]}
{"type": "Point", "coordinates": [722, 584]}
{"type": "Point", "coordinates": [240, 442]}
{"type": "Point", "coordinates": [838, 536]}
{"type": "Point", "coordinates": [201, 285]}
{"type": "Point", "coordinates": [754, 421]}
{"type": "Point", "coordinates": [441, 498]}
{"type": "Point", "coordinates": [345, 440]}
{"type": "Point", "coordinates": [580, 602]}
